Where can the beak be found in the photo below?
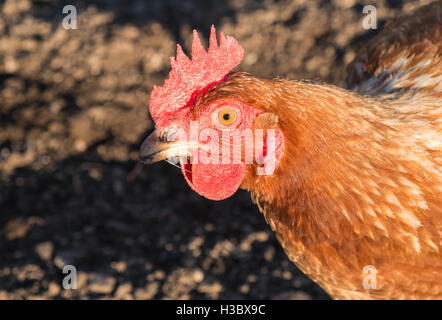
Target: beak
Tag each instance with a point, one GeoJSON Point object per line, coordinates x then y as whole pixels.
{"type": "Point", "coordinates": [162, 145]}
{"type": "Point", "coordinates": [155, 147]}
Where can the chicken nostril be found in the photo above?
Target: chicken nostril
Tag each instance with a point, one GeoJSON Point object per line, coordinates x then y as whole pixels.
{"type": "Point", "coordinates": [168, 135]}
{"type": "Point", "coordinates": [171, 135]}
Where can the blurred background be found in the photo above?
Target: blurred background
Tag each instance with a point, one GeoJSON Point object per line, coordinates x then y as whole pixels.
{"type": "Point", "coordinates": [73, 112]}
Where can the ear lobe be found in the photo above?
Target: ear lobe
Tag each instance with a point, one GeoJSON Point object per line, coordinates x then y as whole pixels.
{"type": "Point", "coordinates": [266, 120]}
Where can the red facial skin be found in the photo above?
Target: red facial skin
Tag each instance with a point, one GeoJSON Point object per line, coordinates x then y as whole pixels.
{"type": "Point", "coordinates": [219, 181]}
{"type": "Point", "coordinates": [216, 180]}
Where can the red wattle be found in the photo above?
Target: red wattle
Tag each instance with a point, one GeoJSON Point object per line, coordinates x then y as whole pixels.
{"type": "Point", "coordinates": [214, 181]}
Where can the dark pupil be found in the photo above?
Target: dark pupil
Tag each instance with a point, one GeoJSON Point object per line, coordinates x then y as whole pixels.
{"type": "Point", "coordinates": [226, 116]}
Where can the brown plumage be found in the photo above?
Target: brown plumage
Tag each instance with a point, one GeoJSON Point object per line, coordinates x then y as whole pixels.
{"type": "Point", "coordinates": [360, 180]}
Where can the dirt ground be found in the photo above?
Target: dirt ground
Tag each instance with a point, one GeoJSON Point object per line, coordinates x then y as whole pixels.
{"type": "Point", "coordinates": [73, 112]}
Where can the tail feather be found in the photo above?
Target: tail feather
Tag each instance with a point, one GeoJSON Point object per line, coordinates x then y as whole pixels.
{"type": "Point", "coordinates": [404, 58]}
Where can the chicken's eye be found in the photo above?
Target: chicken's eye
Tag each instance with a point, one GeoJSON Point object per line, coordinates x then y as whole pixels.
{"type": "Point", "coordinates": [227, 116]}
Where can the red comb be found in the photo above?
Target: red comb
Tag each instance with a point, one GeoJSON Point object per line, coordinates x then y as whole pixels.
{"type": "Point", "coordinates": [187, 75]}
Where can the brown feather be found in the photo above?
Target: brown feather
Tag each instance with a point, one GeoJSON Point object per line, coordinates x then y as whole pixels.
{"type": "Point", "coordinates": [360, 181]}
{"type": "Point", "coordinates": [356, 186]}
{"type": "Point", "coordinates": [406, 55]}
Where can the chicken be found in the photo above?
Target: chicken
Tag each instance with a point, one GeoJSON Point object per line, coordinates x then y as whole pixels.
{"type": "Point", "coordinates": [349, 179]}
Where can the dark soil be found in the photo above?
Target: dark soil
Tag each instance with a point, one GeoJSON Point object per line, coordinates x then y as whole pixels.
{"type": "Point", "coordinates": [73, 113]}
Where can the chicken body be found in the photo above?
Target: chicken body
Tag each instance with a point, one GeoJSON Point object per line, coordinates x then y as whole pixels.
{"type": "Point", "coordinates": [356, 198]}
{"type": "Point", "coordinates": [359, 185]}
{"type": "Point", "coordinates": [367, 170]}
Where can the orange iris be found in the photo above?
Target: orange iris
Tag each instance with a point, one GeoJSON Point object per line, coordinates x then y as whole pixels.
{"type": "Point", "coordinates": [227, 116]}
